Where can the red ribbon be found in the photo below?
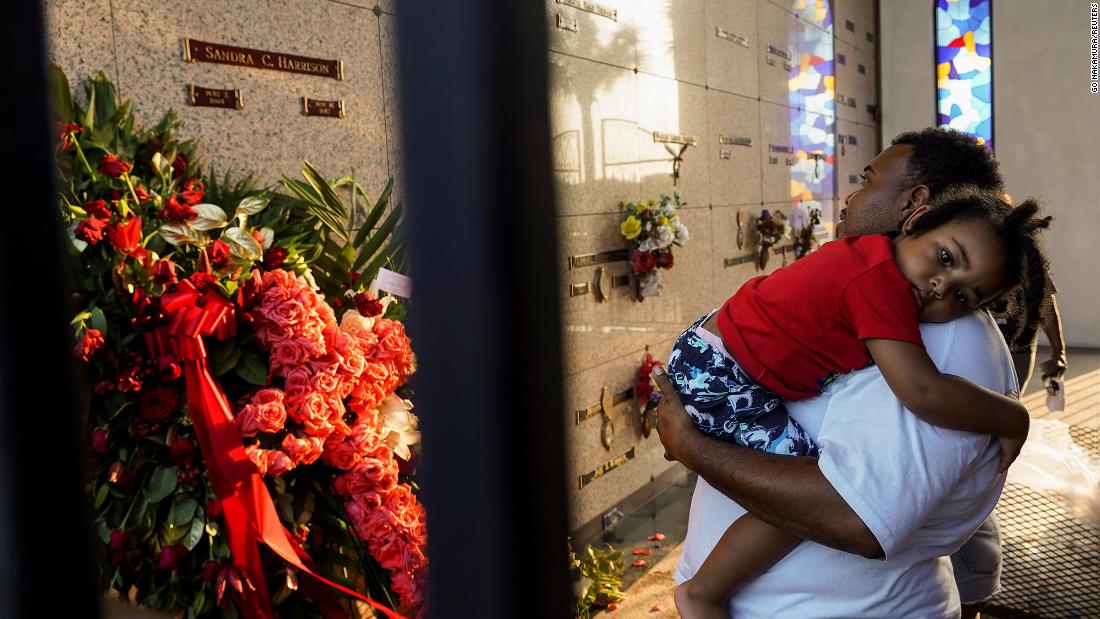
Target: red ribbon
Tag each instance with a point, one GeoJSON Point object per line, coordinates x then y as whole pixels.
{"type": "Point", "coordinates": [249, 512]}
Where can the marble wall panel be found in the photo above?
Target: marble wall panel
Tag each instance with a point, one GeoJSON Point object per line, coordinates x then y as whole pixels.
{"type": "Point", "coordinates": [671, 41]}
{"type": "Point", "coordinates": [391, 105]}
{"type": "Point", "coordinates": [778, 36]}
{"type": "Point", "coordinates": [866, 86]}
{"type": "Point", "coordinates": [734, 168]}
{"type": "Point", "coordinates": [594, 134]}
{"type": "Point", "coordinates": [671, 106]}
{"type": "Point", "coordinates": [593, 36]}
{"type": "Point", "coordinates": [849, 83]}
{"type": "Point", "coordinates": [586, 451]}
{"type": "Point", "coordinates": [595, 332]}
{"type": "Point", "coordinates": [855, 143]}
{"type": "Point", "coordinates": [727, 279]}
{"type": "Point", "coordinates": [269, 135]}
{"type": "Point", "coordinates": [776, 151]}
{"type": "Point", "coordinates": [846, 22]}
{"type": "Point", "coordinates": [80, 40]}
{"type": "Point", "coordinates": [732, 63]}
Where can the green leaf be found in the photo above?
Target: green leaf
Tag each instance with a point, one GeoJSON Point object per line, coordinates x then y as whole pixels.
{"type": "Point", "coordinates": [198, 605]}
{"type": "Point", "coordinates": [380, 236]}
{"type": "Point", "coordinates": [105, 98]}
{"type": "Point", "coordinates": [184, 510]}
{"type": "Point", "coordinates": [101, 495]}
{"type": "Point", "coordinates": [251, 369]}
{"type": "Point", "coordinates": [99, 321]}
{"type": "Point", "coordinates": [62, 95]}
{"type": "Point", "coordinates": [89, 115]}
{"type": "Point", "coordinates": [194, 534]}
{"type": "Point", "coordinates": [162, 485]}
{"type": "Point", "coordinates": [376, 212]}
{"type": "Point", "coordinates": [226, 358]}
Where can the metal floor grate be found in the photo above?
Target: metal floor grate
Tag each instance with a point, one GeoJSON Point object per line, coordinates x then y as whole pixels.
{"type": "Point", "coordinates": [1051, 560]}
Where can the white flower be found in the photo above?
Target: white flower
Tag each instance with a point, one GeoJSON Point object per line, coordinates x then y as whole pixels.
{"type": "Point", "coordinates": [646, 245]}
{"type": "Point", "coordinates": [665, 237]}
{"type": "Point", "coordinates": [398, 425]}
{"type": "Point", "coordinates": [355, 324]}
{"type": "Point", "coordinates": [682, 235]}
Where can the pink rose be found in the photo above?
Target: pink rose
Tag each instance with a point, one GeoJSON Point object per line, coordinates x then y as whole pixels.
{"type": "Point", "coordinates": [288, 354]}
{"type": "Point", "coordinates": [255, 418]}
{"type": "Point", "coordinates": [278, 462]}
{"type": "Point", "coordinates": [305, 450]}
{"type": "Point", "coordinates": [312, 412]}
{"type": "Point", "coordinates": [256, 454]}
{"type": "Point", "coordinates": [326, 381]}
{"type": "Point", "coordinates": [343, 455]}
{"type": "Point", "coordinates": [298, 381]}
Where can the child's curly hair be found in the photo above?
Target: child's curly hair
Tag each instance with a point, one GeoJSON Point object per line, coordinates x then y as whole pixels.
{"type": "Point", "coordinates": [1017, 228]}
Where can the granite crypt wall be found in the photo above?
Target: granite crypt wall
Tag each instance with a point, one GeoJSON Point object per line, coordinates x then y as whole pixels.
{"type": "Point", "coordinates": [780, 99]}
{"type": "Point", "coordinates": [140, 47]}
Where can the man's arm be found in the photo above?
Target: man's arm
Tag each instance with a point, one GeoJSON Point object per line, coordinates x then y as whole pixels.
{"type": "Point", "coordinates": [789, 493]}
{"type": "Point", "coordinates": [1052, 328]}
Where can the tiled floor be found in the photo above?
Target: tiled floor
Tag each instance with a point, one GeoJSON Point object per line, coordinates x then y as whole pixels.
{"type": "Point", "coordinates": [649, 588]}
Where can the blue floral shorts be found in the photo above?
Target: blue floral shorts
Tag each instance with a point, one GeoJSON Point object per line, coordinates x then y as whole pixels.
{"type": "Point", "coordinates": [725, 403]}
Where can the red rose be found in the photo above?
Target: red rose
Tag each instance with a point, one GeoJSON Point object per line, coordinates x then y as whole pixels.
{"type": "Point", "coordinates": [100, 440]}
{"type": "Point", "coordinates": [163, 272]}
{"type": "Point", "coordinates": [125, 236]}
{"type": "Point", "coordinates": [141, 193]}
{"type": "Point", "coordinates": [158, 403]}
{"type": "Point", "coordinates": [368, 305]}
{"type": "Point", "coordinates": [643, 262]}
{"type": "Point", "coordinates": [274, 258]}
{"type": "Point", "coordinates": [67, 132]}
{"type": "Point", "coordinates": [142, 256]}
{"type": "Point", "coordinates": [121, 476]}
{"type": "Point", "coordinates": [193, 191]}
{"type": "Point", "coordinates": [179, 166]}
{"type": "Point", "coordinates": [168, 559]}
{"type": "Point", "coordinates": [130, 380]}
{"type": "Point", "coordinates": [218, 252]}
{"type": "Point", "coordinates": [89, 344]}
{"type": "Point", "coordinates": [113, 166]}
{"type": "Point", "coordinates": [175, 211]}
{"type": "Point", "coordinates": [210, 569]}
{"type": "Point", "coordinates": [97, 209]}
{"type": "Point", "coordinates": [90, 230]}
{"type": "Point", "coordinates": [181, 451]}
{"type": "Point", "coordinates": [643, 389]}
{"type": "Point", "coordinates": [665, 260]}
{"type": "Point", "coordinates": [202, 281]}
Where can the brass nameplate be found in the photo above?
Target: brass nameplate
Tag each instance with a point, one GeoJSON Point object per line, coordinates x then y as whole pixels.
{"type": "Point", "coordinates": [732, 262]}
{"type": "Point", "coordinates": [862, 69]}
{"type": "Point", "coordinates": [725, 153]}
{"type": "Point", "coordinates": [594, 410]}
{"type": "Point", "coordinates": [780, 148]}
{"type": "Point", "coordinates": [587, 260]}
{"type": "Point", "coordinates": [782, 53]}
{"type": "Point", "coordinates": [565, 23]}
{"type": "Point", "coordinates": [201, 51]}
{"type": "Point", "coordinates": [734, 140]}
{"type": "Point", "coordinates": [592, 7]}
{"type": "Point", "coordinates": [620, 280]}
{"type": "Point", "coordinates": [214, 97]}
{"type": "Point", "coordinates": [722, 33]}
{"type": "Point", "coordinates": [673, 138]}
{"type": "Point", "coordinates": [602, 469]}
{"type": "Point", "coordinates": [317, 107]}
{"type": "Point", "coordinates": [576, 290]}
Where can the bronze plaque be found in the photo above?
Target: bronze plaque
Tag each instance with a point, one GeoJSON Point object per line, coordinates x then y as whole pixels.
{"type": "Point", "coordinates": [201, 51]}
{"type": "Point", "coordinates": [587, 260]}
{"type": "Point", "coordinates": [317, 107]}
{"type": "Point", "coordinates": [214, 97]}
{"type": "Point", "coordinates": [592, 7]}
{"type": "Point", "coordinates": [673, 138]}
{"type": "Point", "coordinates": [600, 470]}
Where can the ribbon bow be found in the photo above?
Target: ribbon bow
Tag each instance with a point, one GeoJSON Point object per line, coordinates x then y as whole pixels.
{"type": "Point", "coordinates": [247, 507]}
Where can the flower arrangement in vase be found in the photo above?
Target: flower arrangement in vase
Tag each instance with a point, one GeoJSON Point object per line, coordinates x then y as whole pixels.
{"type": "Point", "coordinates": [652, 227]}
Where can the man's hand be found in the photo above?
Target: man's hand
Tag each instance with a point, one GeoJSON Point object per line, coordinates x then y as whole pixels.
{"type": "Point", "coordinates": [1054, 367]}
{"type": "Point", "coordinates": [673, 422]}
{"type": "Point", "coordinates": [1010, 449]}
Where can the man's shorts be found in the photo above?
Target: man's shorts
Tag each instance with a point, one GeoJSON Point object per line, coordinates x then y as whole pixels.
{"type": "Point", "coordinates": [725, 403]}
{"type": "Point", "coordinates": [978, 564]}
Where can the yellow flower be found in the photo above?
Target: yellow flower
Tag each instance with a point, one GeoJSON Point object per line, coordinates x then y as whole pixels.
{"type": "Point", "coordinates": [651, 202]}
{"type": "Point", "coordinates": [630, 228]}
{"type": "Point", "coordinates": [662, 220]}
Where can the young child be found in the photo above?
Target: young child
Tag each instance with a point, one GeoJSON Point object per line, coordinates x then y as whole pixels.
{"type": "Point", "coordinates": [854, 302]}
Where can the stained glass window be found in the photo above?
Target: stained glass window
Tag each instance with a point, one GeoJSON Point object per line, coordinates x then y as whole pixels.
{"type": "Point", "coordinates": [813, 102]}
{"type": "Point", "coordinates": [964, 67]}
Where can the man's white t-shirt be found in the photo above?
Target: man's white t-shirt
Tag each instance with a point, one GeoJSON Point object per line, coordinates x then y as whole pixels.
{"type": "Point", "coordinates": [921, 490]}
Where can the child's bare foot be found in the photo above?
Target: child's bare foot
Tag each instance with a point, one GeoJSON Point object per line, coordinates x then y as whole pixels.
{"type": "Point", "coordinates": [692, 605]}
